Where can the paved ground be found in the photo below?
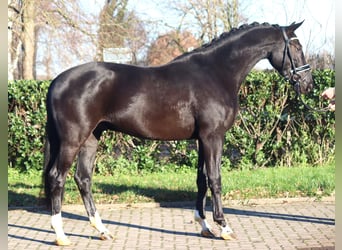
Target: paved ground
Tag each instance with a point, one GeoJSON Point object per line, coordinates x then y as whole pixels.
{"type": "Point", "coordinates": [295, 225]}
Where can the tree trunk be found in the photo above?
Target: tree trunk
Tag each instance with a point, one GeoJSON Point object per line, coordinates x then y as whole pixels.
{"type": "Point", "coordinates": [14, 41]}
{"type": "Point", "coordinates": [28, 39]}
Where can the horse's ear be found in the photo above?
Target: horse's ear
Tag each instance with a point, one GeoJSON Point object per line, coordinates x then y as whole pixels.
{"type": "Point", "coordinates": [295, 26]}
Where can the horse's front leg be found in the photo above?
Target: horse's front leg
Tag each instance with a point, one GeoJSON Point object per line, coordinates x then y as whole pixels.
{"type": "Point", "coordinates": [202, 188]}
{"type": "Point", "coordinates": [83, 178]}
{"type": "Point", "coordinates": [212, 151]}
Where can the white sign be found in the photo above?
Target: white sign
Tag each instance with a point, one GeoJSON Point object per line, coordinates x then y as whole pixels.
{"type": "Point", "coordinates": [117, 55]}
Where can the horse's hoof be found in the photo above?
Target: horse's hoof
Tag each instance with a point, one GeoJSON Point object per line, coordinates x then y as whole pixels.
{"type": "Point", "coordinates": [228, 236]}
{"type": "Point", "coordinates": [106, 236]}
{"type": "Point", "coordinates": [63, 242]}
{"type": "Point", "coordinates": [208, 233]}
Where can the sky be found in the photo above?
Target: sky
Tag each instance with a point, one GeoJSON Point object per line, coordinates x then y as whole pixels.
{"type": "Point", "coordinates": [319, 16]}
{"type": "Point", "coordinates": [318, 29]}
{"type": "Point", "coordinates": [317, 34]}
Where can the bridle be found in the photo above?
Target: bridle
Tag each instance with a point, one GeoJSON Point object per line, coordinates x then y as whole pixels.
{"type": "Point", "coordinates": [294, 72]}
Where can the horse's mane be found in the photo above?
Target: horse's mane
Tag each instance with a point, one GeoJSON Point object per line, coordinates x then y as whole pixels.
{"type": "Point", "coordinates": [225, 36]}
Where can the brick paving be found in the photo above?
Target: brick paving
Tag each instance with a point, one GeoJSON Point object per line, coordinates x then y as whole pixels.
{"type": "Point", "coordinates": [298, 225]}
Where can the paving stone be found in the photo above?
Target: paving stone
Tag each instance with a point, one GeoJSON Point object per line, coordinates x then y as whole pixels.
{"type": "Point", "coordinates": [299, 225]}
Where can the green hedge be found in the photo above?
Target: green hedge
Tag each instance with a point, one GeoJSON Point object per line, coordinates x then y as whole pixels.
{"type": "Point", "coordinates": [272, 128]}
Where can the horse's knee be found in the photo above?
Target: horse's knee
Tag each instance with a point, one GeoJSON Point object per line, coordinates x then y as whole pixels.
{"type": "Point", "coordinates": [215, 185]}
{"type": "Point", "coordinates": [56, 181]}
{"type": "Point", "coordinates": [84, 184]}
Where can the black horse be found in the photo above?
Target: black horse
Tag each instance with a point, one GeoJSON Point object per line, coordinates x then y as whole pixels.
{"type": "Point", "coordinates": [195, 96]}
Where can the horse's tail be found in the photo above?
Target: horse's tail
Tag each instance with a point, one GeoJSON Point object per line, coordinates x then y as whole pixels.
{"type": "Point", "coordinates": [51, 149]}
{"type": "Point", "coordinates": [46, 169]}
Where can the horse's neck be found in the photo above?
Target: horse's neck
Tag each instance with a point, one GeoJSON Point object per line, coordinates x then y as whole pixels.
{"type": "Point", "coordinates": [241, 55]}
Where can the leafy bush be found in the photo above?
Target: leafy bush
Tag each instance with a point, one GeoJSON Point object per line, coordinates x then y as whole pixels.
{"type": "Point", "coordinates": [26, 123]}
{"type": "Point", "coordinates": [272, 128]}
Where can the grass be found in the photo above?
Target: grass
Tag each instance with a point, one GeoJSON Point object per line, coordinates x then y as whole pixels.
{"type": "Point", "coordinates": [25, 189]}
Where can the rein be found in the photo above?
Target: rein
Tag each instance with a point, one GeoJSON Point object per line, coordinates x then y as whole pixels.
{"type": "Point", "coordinates": [294, 78]}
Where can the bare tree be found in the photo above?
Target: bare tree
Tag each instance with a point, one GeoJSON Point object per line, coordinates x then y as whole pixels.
{"type": "Point", "coordinates": [169, 46]}
{"type": "Point", "coordinates": [14, 41]}
{"type": "Point", "coordinates": [209, 18]}
{"type": "Point", "coordinates": [42, 33]}
{"type": "Point", "coordinates": [66, 37]}
{"type": "Point", "coordinates": [206, 19]}
{"type": "Point", "coordinates": [323, 60]}
{"type": "Point", "coordinates": [119, 27]}
{"type": "Point", "coordinates": [21, 39]}
{"type": "Point", "coordinates": [47, 36]}
{"type": "Point", "coordinates": [28, 38]}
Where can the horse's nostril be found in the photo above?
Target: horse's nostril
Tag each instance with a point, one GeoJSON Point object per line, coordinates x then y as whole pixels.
{"type": "Point", "coordinates": [310, 87]}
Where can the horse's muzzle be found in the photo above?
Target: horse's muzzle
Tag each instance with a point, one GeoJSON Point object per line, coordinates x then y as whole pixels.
{"type": "Point", "coordinates": [302, 84]}
{"type": "Point", "coordinates": [303, 87]}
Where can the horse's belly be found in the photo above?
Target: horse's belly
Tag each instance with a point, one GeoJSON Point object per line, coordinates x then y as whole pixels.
{"type": "Point", "coordinates": [170, 129]}
{"type": "Point", "coordinates": [162, 125]}
{"type": "Point", "coordinates": [156, 117]}
{"type": "Point", "coordinates": [164, 128]}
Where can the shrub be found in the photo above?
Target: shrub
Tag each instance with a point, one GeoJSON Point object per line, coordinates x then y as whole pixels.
{"type": "Point", "coordinates": [26, 123]}
{"type": "Point", "coordinates": [272, 128]}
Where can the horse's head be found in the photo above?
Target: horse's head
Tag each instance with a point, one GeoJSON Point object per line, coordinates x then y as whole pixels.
{"type": "Point", "coordinates": [288, 59]}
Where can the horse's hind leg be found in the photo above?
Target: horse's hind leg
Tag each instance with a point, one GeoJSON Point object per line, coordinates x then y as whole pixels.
{"type": "Point", "coordinates": [57, 176]}
{"type": "Point", "coordinates": [83, 178]}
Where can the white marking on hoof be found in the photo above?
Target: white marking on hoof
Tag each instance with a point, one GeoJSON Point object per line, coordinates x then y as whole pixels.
{"type": "Point", "coordinates": [206, 228]}
{"type": "Point", "coordinates": [96, 222]}
{"type": "Point", "coordinates": [227, 233]}
{"type": "Point", "coordinates": [57, 226]}
{"type": "Point", "coordinates": [63, 241]}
